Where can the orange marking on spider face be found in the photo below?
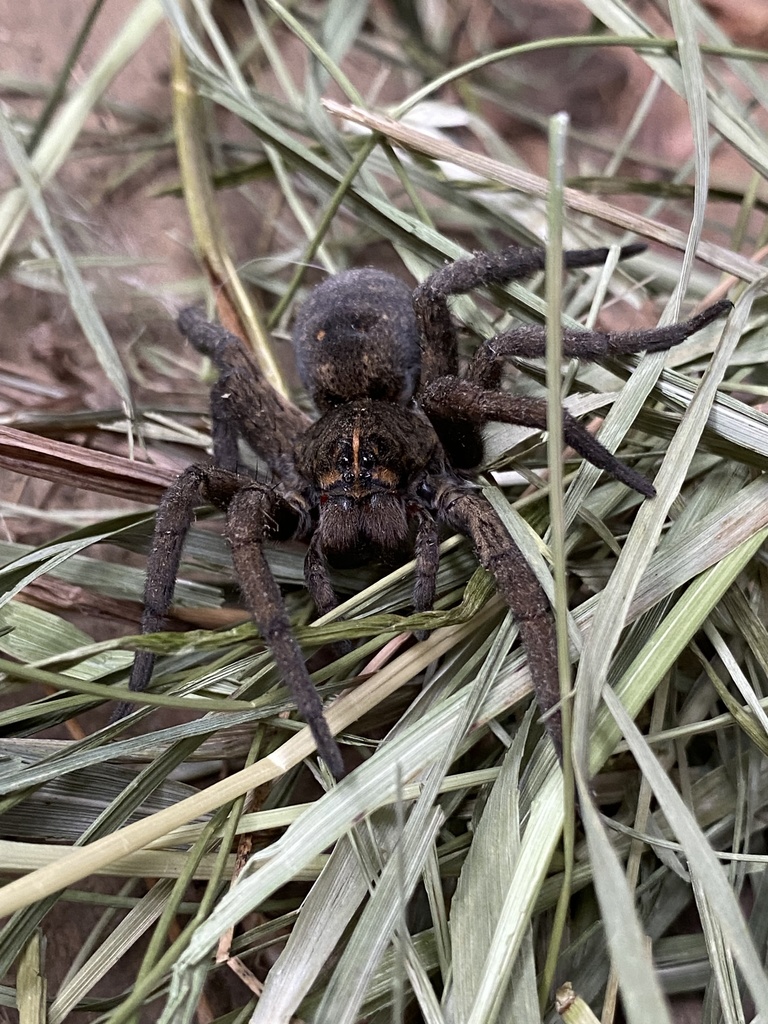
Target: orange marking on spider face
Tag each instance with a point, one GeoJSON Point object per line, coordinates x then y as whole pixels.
{"type": "Point", "coordinates": [320, 336]}
{"type": "Point", "coordinates": [328, 480]}
{"type": "Point", "coordinates": [385, 476]}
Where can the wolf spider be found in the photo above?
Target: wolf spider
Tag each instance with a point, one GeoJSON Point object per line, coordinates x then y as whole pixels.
{"type": "Point", "coordinates": [387, 462]}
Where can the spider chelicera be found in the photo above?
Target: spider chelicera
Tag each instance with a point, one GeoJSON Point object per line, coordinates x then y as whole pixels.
{"type": "Point", "coordinates": [387, 462]}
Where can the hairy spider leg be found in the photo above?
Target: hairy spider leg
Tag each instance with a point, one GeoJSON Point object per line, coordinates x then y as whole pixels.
{"type": "Point", "coordinates": [458, 407]}
{"type": "Point", "coordinates": [439, 342]}
{"type": "Point", "coordinates": [471, 515]}
{"type": "Point", "coordinates": [242, 402]}
{"type": "Point", "coordinates": [253, 514]}
{"type": "Point", "coordinates": [224, 431]}
{"type": "Point", "coordinates": [427, 558]}
{"type": "Point", "coordinates": [530, 341]}
{"type": "Point", "coordinates": [174, 517]}
{"type": "Point", "coordinates": [476, 405]}
{"type": "Point", "coordinates": [317, 577]}
{"type": "Point", "coordinates": [247, 518]}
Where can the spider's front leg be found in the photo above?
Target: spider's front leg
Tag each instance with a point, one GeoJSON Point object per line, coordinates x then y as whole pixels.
{"type": "Point", "coordinates": [248, 518]}
{"type": "Point", "coordinates": [254, 513]}
{"type": "Point", "coordinates": [471, 515]}
{"type": "Point", "coordinates": [175, 515]}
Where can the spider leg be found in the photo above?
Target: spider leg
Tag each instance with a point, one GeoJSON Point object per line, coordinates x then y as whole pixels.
{"type": "Point", "coordinates": [248, 517]}
{"type": "Point", "coordinates": [530, 341]}
{"type": "Point", "coordinates": [471, 515]}
{"type": "Point", "coordinates": [267, 421]}
{"type": "Point", "coordinates": [317, 578]}
{"type": "Point", "coordinates": [474, 404]}
{"type": "Point", "coordinates": [224, 430]}
{"type": "Point", "coordinates": [253, 513]}
{"type": "Point", "coordinates": [427, 556]}
{"type": "Point", "coordinates": [430, 299]}
{"type": "Point", "coordinates": [175, 515]}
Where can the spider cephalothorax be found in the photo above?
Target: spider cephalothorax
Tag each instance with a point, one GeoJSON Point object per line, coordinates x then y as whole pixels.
{"type": "Point", "coordinates": [387, 462]}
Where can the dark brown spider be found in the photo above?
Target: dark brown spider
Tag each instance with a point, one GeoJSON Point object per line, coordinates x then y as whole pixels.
{"type": "Point", "coordinates": [387, 462]}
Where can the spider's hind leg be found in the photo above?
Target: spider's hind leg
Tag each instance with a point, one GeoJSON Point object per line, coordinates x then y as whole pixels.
{"type": "Point", "coordinates": [430, 299]}
{"type": "Point", "coordinates": [530, 342]}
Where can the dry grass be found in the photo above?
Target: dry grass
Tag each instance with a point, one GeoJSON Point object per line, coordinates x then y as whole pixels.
{"type": "Point", "coordinates": [424, 886]}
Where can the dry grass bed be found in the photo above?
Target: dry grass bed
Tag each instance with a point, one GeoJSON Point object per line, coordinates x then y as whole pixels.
{"type": "Point", "coordinates": [161, 154]}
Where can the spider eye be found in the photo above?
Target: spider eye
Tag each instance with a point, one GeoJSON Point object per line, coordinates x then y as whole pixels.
{"type": "Point", "coordinates": [366, 461]}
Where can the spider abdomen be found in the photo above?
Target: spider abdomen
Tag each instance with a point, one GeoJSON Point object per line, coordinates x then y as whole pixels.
{"type": "Point", "coordinates": [356, 337]}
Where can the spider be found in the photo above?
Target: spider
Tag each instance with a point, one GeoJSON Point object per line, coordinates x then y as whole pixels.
{"type": "Point", "coordinates": [389, 459]}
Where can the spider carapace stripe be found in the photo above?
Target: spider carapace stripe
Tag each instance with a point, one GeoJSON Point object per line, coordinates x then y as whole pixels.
{"type": "Point", "coordinates": [356, 450]}
{"type": "Point", "coordinates": [387, 462]}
